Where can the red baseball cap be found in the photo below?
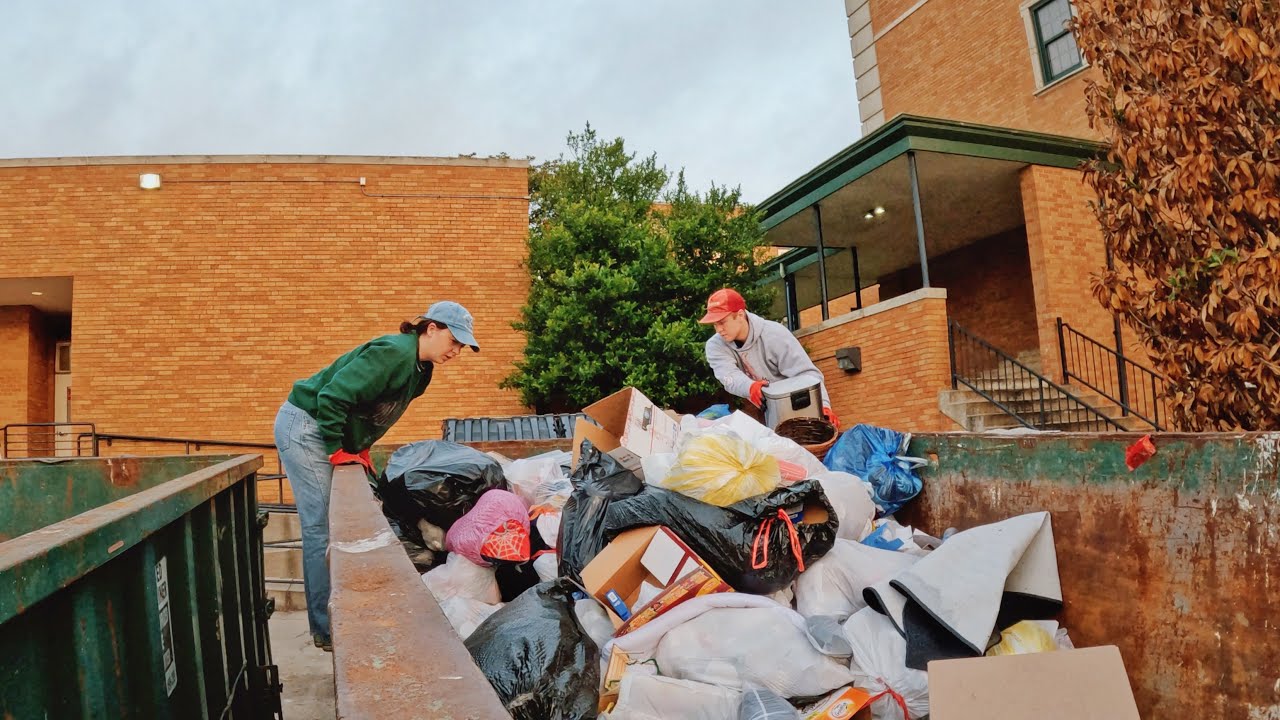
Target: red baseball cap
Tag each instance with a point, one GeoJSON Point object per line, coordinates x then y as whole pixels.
{"type": "Point", "coordinates": [721, 303]}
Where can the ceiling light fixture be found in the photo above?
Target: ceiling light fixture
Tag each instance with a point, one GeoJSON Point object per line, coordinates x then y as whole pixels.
{"type": "Point", "coordinates": [869, 216]}
{"type": "Point", "coordinates": [879, 210]}
{"type": "Point", "coordinates": [36, 292]}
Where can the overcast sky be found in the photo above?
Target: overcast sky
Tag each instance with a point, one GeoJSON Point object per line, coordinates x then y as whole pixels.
{"type": "Point", "coordinates": [742, 92]}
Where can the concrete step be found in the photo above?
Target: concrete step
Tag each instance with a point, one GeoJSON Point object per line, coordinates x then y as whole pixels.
{"type": "Point", "coordinates": [283, 562]}
{"type": "Point", "coordinates": [289, 594]}
{"type": "Point", "coordinates": [282, 527]}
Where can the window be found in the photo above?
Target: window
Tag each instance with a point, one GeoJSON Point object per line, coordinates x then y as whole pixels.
{"type": "Point", "coordinates": [1055, 44]}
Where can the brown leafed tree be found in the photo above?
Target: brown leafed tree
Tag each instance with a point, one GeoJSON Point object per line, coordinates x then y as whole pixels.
{"type": "Point", "coordinates": [1188, 96]}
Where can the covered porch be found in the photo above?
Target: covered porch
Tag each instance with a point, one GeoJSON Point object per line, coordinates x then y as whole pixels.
{"type": "Point", "coordinates": [922, 224]}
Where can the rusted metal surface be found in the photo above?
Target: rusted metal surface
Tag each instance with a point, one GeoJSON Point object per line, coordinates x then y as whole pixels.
{"type": "Point", "coordinates": [394, 653]}
{"type": "Point", "coordinates": [1172, 562]}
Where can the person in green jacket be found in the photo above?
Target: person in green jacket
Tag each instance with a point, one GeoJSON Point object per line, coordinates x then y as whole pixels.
{"type": "Point", "coordinates": [335, 416]}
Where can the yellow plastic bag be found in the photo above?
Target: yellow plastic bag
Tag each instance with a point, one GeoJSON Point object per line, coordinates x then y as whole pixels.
{"type": "Point", "coordinates": [1023, 638]}
{"type": "Point", "coordinates": [721, 468]}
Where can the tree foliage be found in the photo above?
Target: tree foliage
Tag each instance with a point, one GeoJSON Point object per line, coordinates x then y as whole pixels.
{"type": "Point", "coordinates": [621, 261]}
{"type": "Point", "coordinates": [1189, 98]}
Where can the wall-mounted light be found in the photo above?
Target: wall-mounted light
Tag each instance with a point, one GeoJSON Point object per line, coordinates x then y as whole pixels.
{"type": "Point", "coordinates": [149, 181]}
{"type": "Point", "coordinates": [849, 359]}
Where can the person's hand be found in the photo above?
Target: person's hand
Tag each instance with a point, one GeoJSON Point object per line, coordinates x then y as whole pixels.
{"type": "Point", "coordinates": [756, 394]}
{"type": "Point", "coordinates": [342, 457]}
{"type": "Point", "coordinates": [830, 415]}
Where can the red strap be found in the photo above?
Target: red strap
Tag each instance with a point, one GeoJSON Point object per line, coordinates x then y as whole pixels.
{"type": "Point", "coordinates": [759, 557]}
{"type": "Point", "coordinates": [902, 703]}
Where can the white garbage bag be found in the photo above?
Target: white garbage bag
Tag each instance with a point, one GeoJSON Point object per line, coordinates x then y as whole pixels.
{"type": "Point", "coordinates": [547, 567]}
{"type": "Point", "coordinates": [458, 577]}
{"type": "Point", "coordinates": [540, 480]}
{"type": "Point", "coordinates": [766, 647]}
{"type": "Point", "coordinates": [762, 704]}
{"type": "Point", "coordinates": [851, 498]}
{"type": "Point", "coordinates": [594, 620]}
{"type": "Point", "coordinates": [833, 585]}
{"type": "Point", "coordinates": [653, 697]}
{"type": "Point", "coordinates": [880, 663]}
{"type": "Point", "coordinates": [465, 615]}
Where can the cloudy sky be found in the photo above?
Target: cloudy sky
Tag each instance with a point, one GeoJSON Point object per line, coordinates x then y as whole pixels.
{"type": "Point", "coordinates": [741, 92]}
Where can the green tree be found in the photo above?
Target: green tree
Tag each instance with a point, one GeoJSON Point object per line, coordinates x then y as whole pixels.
{"type": "Point", "coordinates": [621, 261]}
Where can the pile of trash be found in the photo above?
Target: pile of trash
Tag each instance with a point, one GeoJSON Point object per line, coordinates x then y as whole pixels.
{"type": "Point", "coordinates": [710, 569]}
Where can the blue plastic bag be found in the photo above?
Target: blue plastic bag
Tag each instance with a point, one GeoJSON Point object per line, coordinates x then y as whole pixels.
{"type": "Point", "coordinates": [877, 456]}
{"type": "Point", "coordinates": [715, 412]}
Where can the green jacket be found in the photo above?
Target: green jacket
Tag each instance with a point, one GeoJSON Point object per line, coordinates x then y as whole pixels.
{"type": "Point", "coordinates": [363, 393]}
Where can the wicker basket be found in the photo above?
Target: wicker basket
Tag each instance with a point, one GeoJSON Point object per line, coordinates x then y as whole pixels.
{"type": "Point", "coordinates": [816, 436]}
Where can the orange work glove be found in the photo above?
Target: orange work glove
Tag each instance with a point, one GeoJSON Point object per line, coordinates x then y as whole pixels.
{"type": "Point", "coordinates": [756, 395]}
{"type": "Point", "coordinates": [830, 415]}
{"type": "Point", "coordinates": [342, 457]}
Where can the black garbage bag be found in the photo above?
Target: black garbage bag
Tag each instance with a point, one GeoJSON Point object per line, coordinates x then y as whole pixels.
{"type": "Point", "coordinates": [598, 481]}
{"type": "Point", "coordinates": [436, 481]}
{"type": "Point", "coordinates": [537, 656]}
{"type": "Point", "coordinates": [754, 545]}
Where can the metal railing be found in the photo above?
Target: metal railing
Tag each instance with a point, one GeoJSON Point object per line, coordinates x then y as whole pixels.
{"type": "Point", "coordinates": [45, 440]}
{"type": "Point", "coordinates": [1137, 390]}
{"type": "Point", "coordinates": [1017, 390]}
{"type": "Point", "coordinates": [194, 445]}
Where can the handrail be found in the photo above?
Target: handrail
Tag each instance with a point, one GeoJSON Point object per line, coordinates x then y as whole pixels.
{"type": "Point", "coordinates": [10, 440]}
{"type": "Point", "coordinates": [1137, 389]}
{"type": "Point", "coordinates": [972, 358]}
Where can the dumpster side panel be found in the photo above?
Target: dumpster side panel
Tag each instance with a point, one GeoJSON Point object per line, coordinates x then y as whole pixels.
{"type": "Point", "coordinates": [34, 494]}
{"type": "Point", "coordinates": [173, 626]}
{"type": "Point", "coordinates": [1170, 562]}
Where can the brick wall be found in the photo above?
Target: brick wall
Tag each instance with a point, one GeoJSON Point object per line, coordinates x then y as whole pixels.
{"type": "Point", "coordinates": [197, 305]}
{"type": "Point", "coordinates": [904, 359]}
{"type": "Point", "coordinates": [15, 353]}
{"type": "Point", "coordinates": [40, 370]}
{"type": "Point", "coordinates": [970, 60]}
{"type": "Point", "coordinates": [1066, 248]}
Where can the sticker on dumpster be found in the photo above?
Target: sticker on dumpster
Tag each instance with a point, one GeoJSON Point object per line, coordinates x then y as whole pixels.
{"type": "Point", "coordinates": [166, 626]}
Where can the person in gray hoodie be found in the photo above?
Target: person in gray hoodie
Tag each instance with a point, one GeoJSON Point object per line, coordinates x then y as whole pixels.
{"type": "Point", "coordinates": [748, 352]}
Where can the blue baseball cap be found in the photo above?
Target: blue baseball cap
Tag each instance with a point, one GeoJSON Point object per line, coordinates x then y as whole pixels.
{"type": "Point", "coordinates": [457, 319]}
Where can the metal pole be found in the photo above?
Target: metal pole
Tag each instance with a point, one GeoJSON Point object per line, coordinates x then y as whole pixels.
{"type": "Point", "coordinates": [822, 260]}
{"type": "Point", "coordinates": [915, 206]}
{"type": "Point", "coordinates": [857, 278]}
{"type": "Point", "coordinates": [793, 309]}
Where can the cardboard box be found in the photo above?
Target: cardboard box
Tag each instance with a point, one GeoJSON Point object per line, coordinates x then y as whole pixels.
{"type": "Point", "coordinates": [696, 583]}
{"type": "Point", "coordinates": [1083, 684]}
{"type": "Point", "coordinates": [631, 428]}
{"type": "Point", "coordinates": [848, 703]}
{"type": "Point", "coordinates": [652, 554]}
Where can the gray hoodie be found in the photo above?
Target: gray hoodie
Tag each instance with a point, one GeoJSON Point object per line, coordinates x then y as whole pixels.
{"type": "Point", "coordinates": [770, 353]}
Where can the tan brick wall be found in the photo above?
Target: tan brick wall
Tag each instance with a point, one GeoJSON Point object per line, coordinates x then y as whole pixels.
{"type": "Point", "coordinates": [40, 370]}
{"type": "Point", "coordinates": [15, 364]}
{"type": "Point", "coordinates": [198, 305]}
{"type": "Point", "coordinates": [1066, 249]}
{"type": "Point", "coordinates": [905, 365]}
{"type": "Point", "coordinates": [970, 60]}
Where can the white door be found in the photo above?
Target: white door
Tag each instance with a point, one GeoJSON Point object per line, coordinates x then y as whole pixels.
{"type": "Point", "coordinates": [65, 440]}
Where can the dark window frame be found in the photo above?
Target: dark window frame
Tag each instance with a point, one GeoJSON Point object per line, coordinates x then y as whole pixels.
{"type": "Point", "coordinates": [1042, 44]}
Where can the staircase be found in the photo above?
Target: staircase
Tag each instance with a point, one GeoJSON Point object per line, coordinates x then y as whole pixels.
{"type": "Point", "coordinates": [282, 561]}
{"type": "Point", "coordinates": [973, 411]}
{"type": "Point", "coordinates": [992, 390]}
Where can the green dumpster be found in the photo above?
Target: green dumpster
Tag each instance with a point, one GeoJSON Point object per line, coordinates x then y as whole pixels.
{"type": "Point", "coordinates": [133, 588]}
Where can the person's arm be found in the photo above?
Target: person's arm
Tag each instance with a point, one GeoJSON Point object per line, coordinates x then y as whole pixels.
{"type": "Point", "coordinates": [363, 379]}
{"type": "Point", "coordinates": [724, 364]}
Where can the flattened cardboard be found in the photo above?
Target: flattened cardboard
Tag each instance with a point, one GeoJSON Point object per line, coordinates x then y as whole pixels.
{"type": "Point", "coordinates": [631, 428]}
{"type": "Point", "coordinates": [1082, 684]}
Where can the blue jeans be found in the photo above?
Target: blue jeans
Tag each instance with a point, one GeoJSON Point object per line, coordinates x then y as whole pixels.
{"type": "Point", "coordinates": [311, 476]}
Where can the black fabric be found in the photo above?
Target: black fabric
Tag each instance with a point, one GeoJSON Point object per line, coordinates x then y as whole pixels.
{"type": "Point", "coordinates": [929, 639]}
{"type": "Point", "coordinates": [724, 537]}
{"type": "Point", "coordinates": [537, 656]}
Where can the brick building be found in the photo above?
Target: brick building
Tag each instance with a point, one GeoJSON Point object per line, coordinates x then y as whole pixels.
{"type": "Point", "coordinates": [958, 226]}
{"type": "Point", "coordinates": [189, 309]}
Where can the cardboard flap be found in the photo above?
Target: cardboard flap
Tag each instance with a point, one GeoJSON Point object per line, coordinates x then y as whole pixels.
{"type": "Point", "coordinates": [1084, 684]}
